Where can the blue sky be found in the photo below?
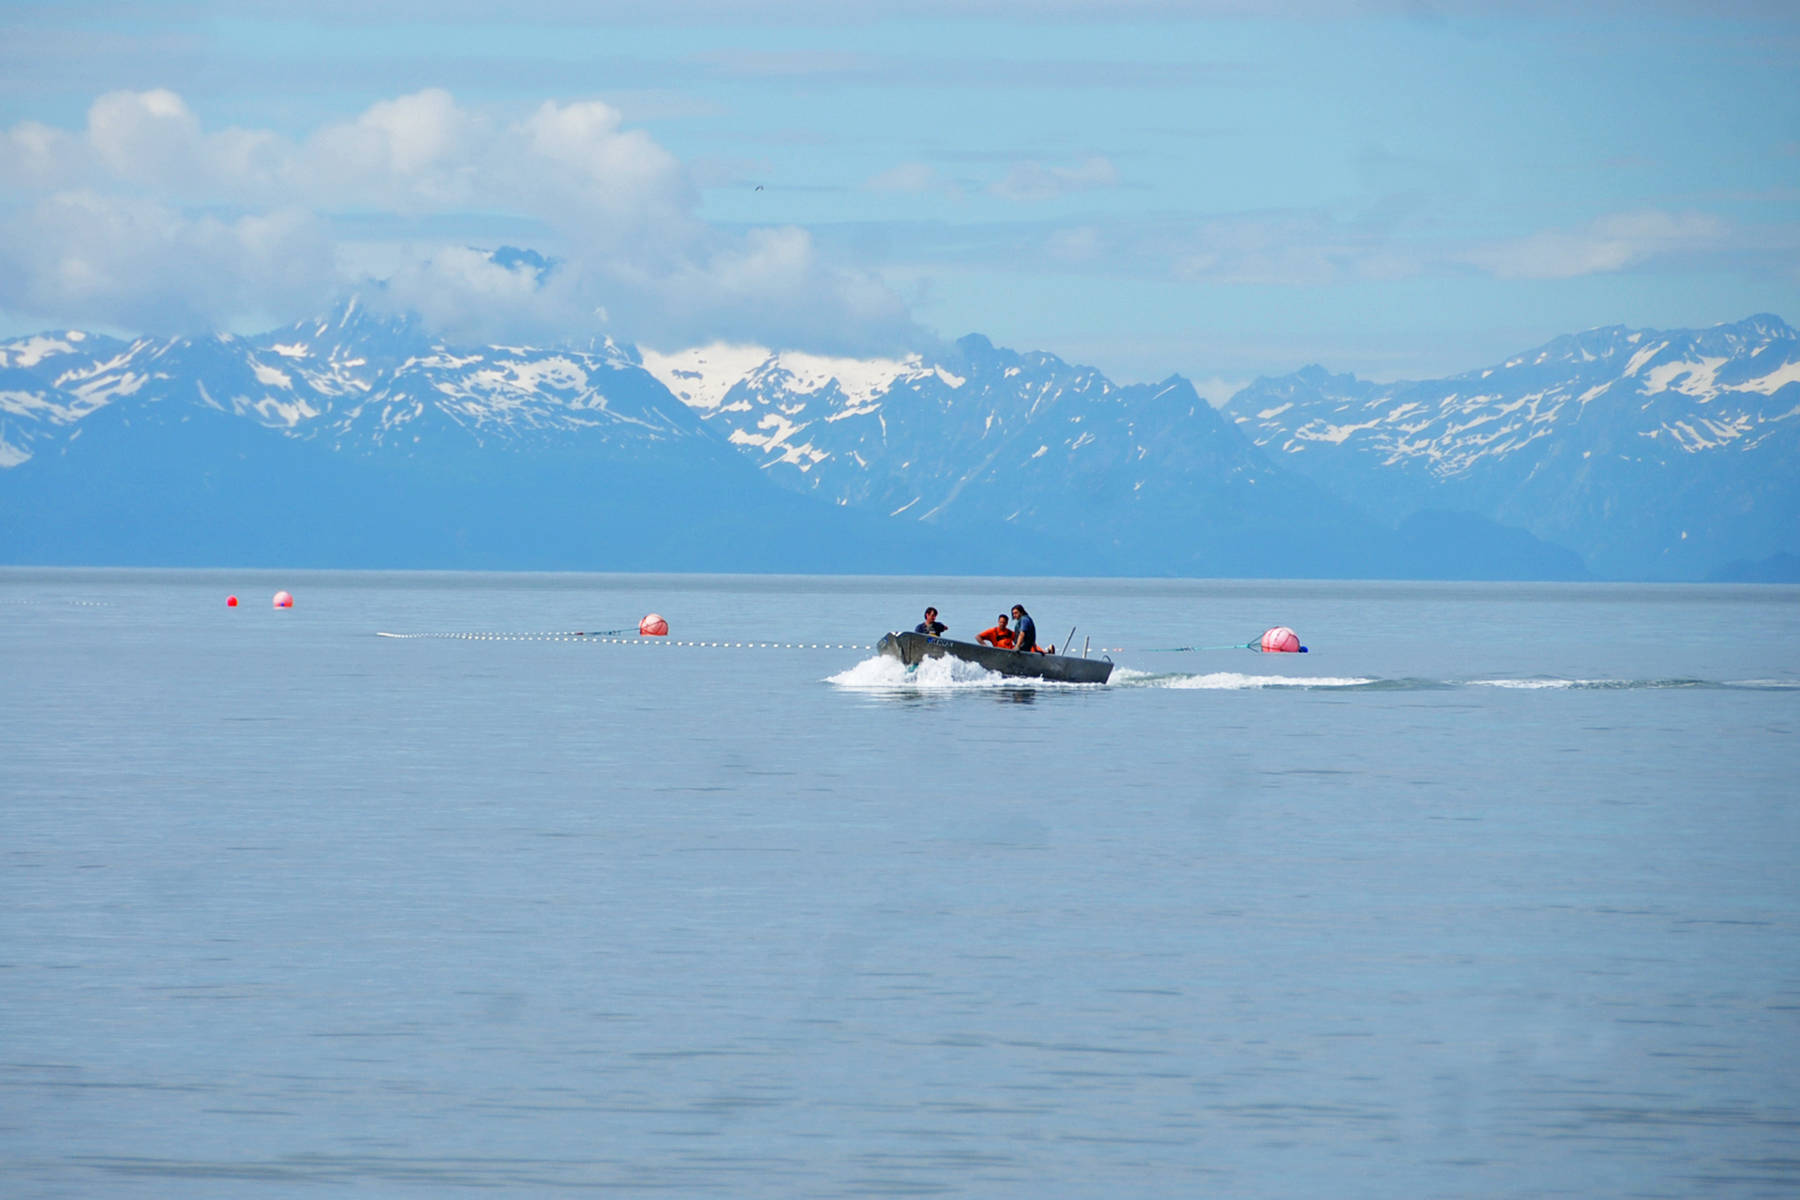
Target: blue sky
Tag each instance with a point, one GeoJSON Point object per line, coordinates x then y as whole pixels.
{"type": "Point", "coordinates": [1219, 189]}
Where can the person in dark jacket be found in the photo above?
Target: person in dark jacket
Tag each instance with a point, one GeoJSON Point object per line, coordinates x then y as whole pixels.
{"type": "Point", "coordinates": [930, 625]}
{"type": "Point", "coordinates": [1024, 630]}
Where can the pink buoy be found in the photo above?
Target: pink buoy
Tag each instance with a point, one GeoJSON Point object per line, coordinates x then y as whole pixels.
{"type": "Point", "coordinates": [1282, 640]}
{"type": "Point", "coordinates": [284, 600]}
{"type": "Point", "coordinates": [231, 602]}
{"type": "Point", "coordinates": [653, 626]}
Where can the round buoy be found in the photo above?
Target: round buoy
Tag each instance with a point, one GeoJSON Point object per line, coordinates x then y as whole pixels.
{"type": "Point", "coordinates": [231, 602]}
{"type": "Point", "coordinates": [284, 600]}
{"type": "Point", "coordinates": [1281, 640]}
{"type": "Point", "coordinates": [653, 626]}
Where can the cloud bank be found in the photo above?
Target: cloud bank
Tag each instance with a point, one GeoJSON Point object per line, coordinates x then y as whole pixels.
{"type": "Point", "coordinates": [146, 220]}
{"type": "Point", "coordinates": [1615, 242]}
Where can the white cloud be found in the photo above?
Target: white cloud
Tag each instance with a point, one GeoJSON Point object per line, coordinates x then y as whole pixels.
{"type": "Point", "coordinates": [1310, 248]}
{"type": "Point", "coordinates": [606, 185]}
{"type": "Point", "coordinates": [1035, 181]}
{"type": "Point", "coordinates": [36, 156]}
{"type": "Point", "coordinates": [463, 294]}
{"type": "Point", "coordinates": [145, 137]}
{"type": "Point", "coordinates": [416, 153]}
{"type": "Point", "coordinates": [1293, 249]}
{"type": "Point", "coordinates": [913, 179]}
{"type": "Point", "coordinates": [774, 288]}
{"type": "Point", "coordinates": [1082, 244]}
{"type": "Point", "coordinates": [85, 257]}
{"type": "Point", "coordinates": [1612, 243]}
{"type": "Point", "coordinates": [119, 223]}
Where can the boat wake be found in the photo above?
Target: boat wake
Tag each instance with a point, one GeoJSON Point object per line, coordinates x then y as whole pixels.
{"type": "Point", "coordinates": [881, 673]}
{"type": "Point", "coordinates": [1236, 681]}
{"type": "Point", "coordinates": [1546, 682]}
{"type": "Point", "coordinates": [1231, 681]}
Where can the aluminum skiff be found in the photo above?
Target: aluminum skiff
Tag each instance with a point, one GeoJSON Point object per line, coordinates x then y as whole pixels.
{"type": "Point", "coordinates": [914, 648]}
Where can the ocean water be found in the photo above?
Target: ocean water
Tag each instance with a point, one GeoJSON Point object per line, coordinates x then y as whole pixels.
{"type": "Point", "coordinates": [1496, 892]}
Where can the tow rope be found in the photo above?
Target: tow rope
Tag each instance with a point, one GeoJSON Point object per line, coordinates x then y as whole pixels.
{"type": "Point", "coordinates": [1277, 640]}
{"type": "Point", "coordinates": [536, 637]}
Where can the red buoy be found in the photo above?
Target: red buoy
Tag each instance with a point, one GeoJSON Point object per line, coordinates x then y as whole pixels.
{"type": "Point", "coordinates": [231, 602]}
{"type": "Point", "coordinates": [653, 626]}
{"type": "Point", "coordinates": [1282, 640]}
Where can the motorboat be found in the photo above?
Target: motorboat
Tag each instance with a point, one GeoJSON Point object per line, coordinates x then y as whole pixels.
{"type": "Point", "coordinates": [914, 648]}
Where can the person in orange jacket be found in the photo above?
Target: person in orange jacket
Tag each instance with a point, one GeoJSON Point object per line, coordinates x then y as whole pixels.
{"type": "Point", "coordinates": [999, 637]}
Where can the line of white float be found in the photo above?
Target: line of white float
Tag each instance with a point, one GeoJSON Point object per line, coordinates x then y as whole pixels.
{"type": "Point", "coordinates": [629, 641]}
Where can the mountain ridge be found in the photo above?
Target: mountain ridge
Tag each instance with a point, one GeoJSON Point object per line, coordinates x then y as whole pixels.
{"type": "Point", "coordinates": [1589, 441]}
{"type": "Point", "coordinates": [1594, 451]}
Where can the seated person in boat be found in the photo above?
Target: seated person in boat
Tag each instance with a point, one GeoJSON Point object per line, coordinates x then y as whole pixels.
{"type": "Point", "coordinates": [999, 637]}
{"type": "Point", "coordinates": [1024, 629]}
{"type": "Point", "coordinates": [931, 625]}
{"type": "Point", "coordinates": [1025, 632]}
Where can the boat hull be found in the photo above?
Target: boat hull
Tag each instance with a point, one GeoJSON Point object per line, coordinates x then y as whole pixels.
{"type": "Point", "coordinates": [914, 648]}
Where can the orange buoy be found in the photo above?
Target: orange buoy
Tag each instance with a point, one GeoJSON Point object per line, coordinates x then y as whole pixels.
{"type": "Point", "coordinates": [653, 626]}
{"type": "Point", "coordinates": [284, 600]}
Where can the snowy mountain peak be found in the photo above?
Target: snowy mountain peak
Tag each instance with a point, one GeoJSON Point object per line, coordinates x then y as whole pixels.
{"type": "Point", "coordinates": [700, 377]}
{"type": "Point", "coordinates": [1694, 389]}
{"type": "Point", "coordinates": [1644, 346]}
{"type": "Point", "coordinates": [36, 349]}
{"type": "Point", "coordinates": [1577, 440]}
{"type": "Point", "coordinates": [859, 381]}
{"type": "Point", "coordinates": [1767, 326]}
{"type": "Point", "coordinates": [986, 432]}
{"type": "Point", "coordinates": [705, 376]}
{"type": "Point", "coordinates": [352, 329]}
{"type": "Point", "coordinates": [355, 378]}
{"type": "Point", "coordinates": [1649, 453]}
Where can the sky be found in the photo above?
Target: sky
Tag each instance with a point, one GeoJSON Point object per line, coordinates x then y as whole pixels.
{"type": "Point", "coordinates": [1218, 189]}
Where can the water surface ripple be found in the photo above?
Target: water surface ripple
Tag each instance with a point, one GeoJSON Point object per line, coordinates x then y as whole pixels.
{"type": "Point", "coordinates": [1491, 894]}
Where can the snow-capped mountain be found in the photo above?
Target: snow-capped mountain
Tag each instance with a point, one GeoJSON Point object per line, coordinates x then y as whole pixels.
{"type": "Point", "coordinates": [1024, 445]}
{"type": "Point", "coordinates": [358, 439]}
{"type": "Point", "coordinates": [49, 382]}
{"type": "Point", "coordinates": [353, 379]}
{"type": "Point", "coordinates": [1660, 454]}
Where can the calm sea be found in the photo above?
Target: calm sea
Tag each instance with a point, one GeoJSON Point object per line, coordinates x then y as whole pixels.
{"type": "Point", "coordinates": [1494, 893]}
